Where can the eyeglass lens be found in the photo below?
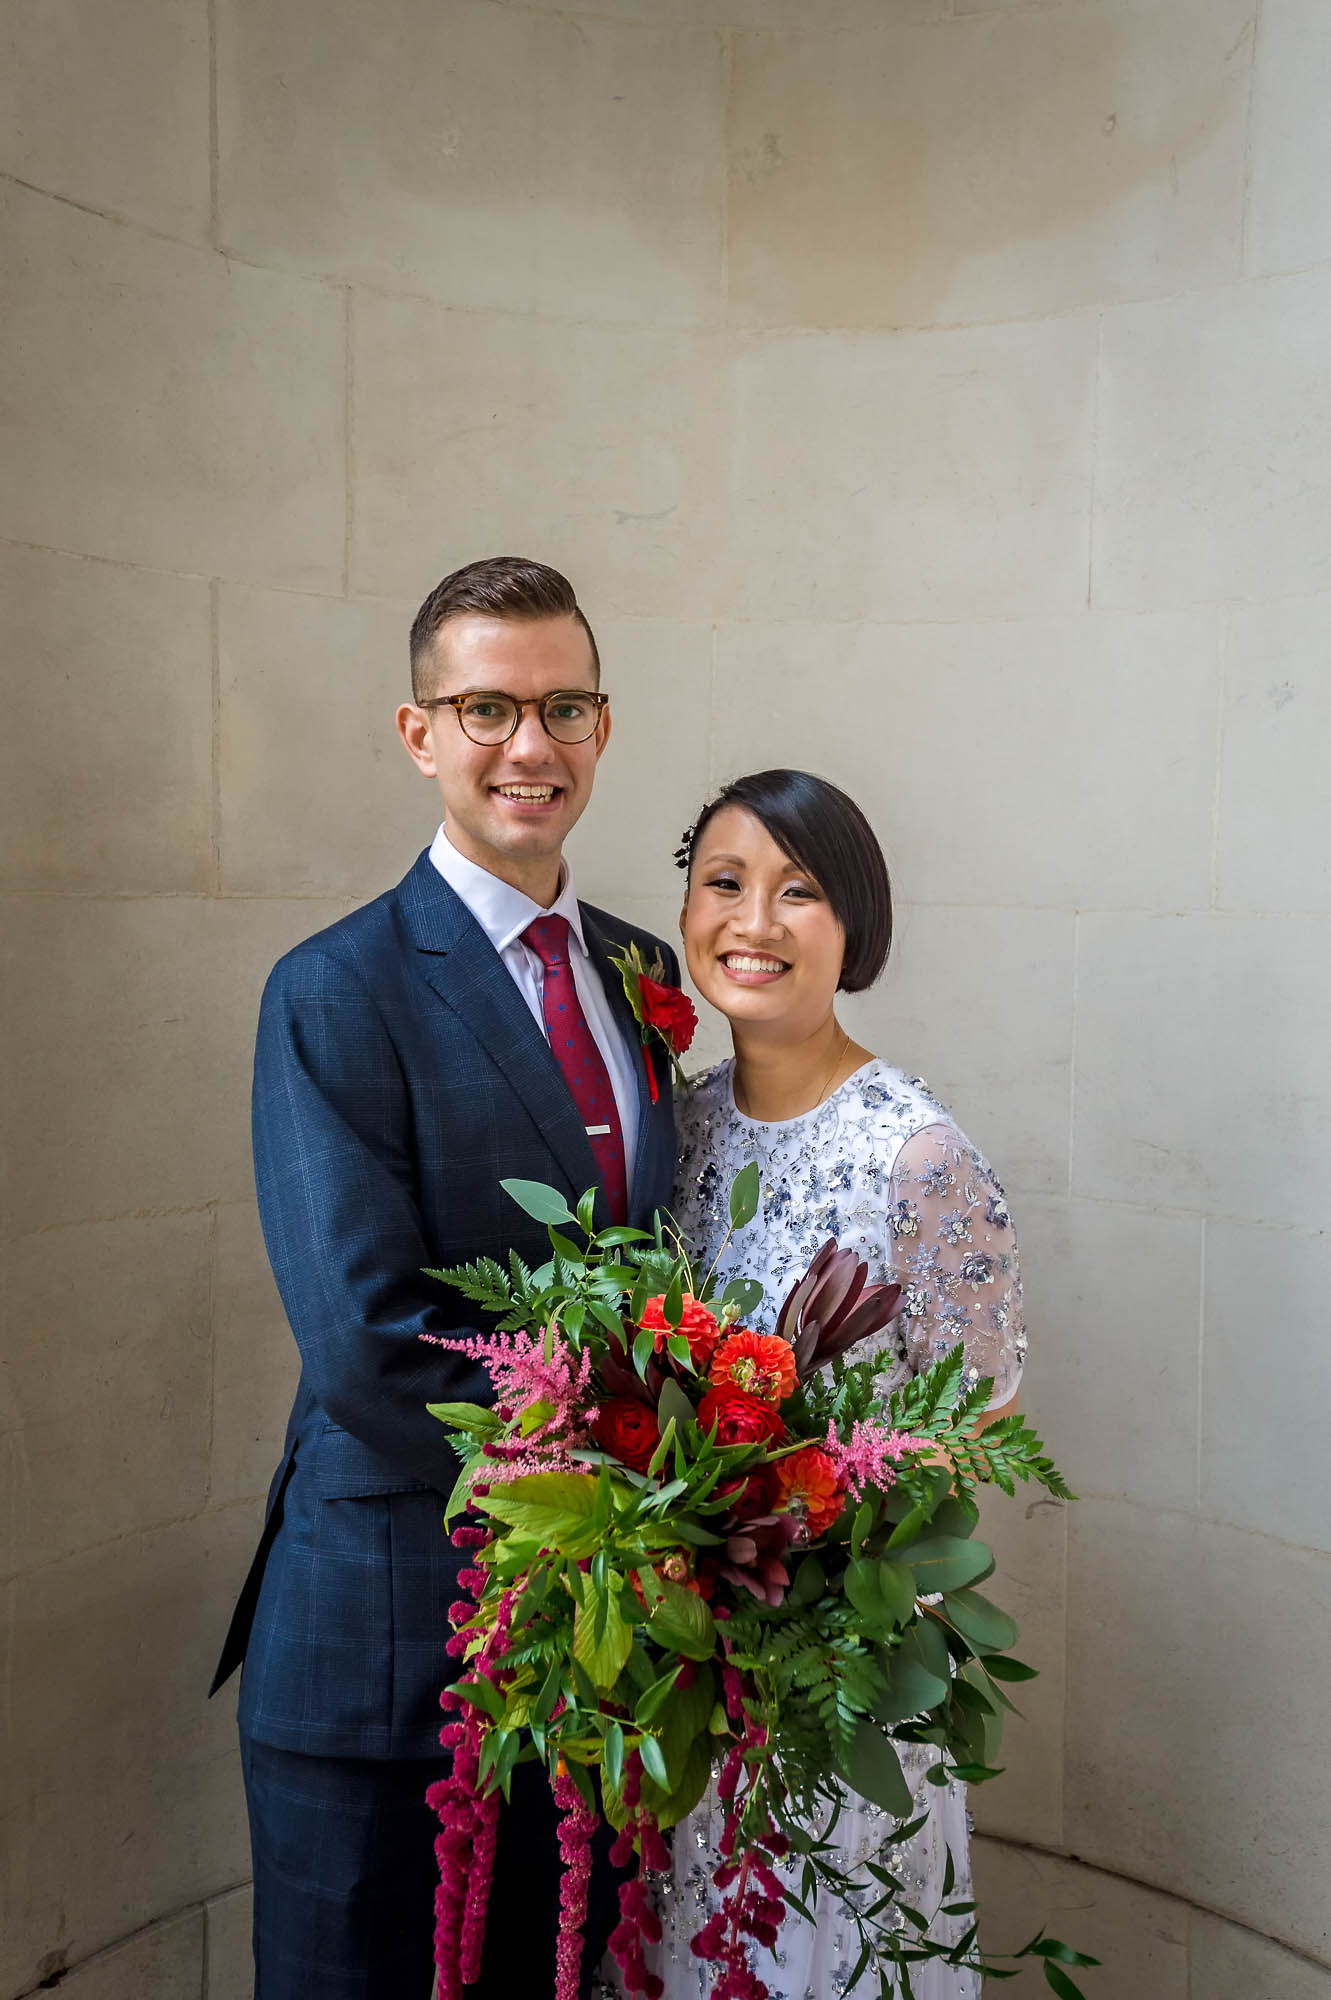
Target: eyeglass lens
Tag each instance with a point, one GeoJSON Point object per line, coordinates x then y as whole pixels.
{"type": "Point", "coordinates": [492, 718]}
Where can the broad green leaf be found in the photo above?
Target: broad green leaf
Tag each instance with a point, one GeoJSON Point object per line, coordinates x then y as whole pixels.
{"type": "Point", "coordinates": [459, 1498]}
{"type": "Point", "coordinates": [562, 1247]}
{"type": "Point", "coordinates": [602, 1658]}
{"type": "Point", "coordinates": [533, 1417]}
{"type": "Point", "coordinates": [810, 1582]}
{"type": "Point", "coordinates": [682, 1623]}
{"type": "Point", "coordinates": [614, 1754]}
{"type": "Point", "coordinates": [743, 1294]}
{"type": "Point", "coordinates": [679, 1803]}
{"type": "Point", "coordinates": [672, 1402]}
{"type": "Point", "coordinates": [553, 1506]}
{"type": "Point", "coordinates": [744, 1191]}
{"type": "Point", "coordinates": [650, 1702]}
{"type": "Point", "coordinates": [896, 1584]}
{"type": "Point", "coordinates": [473, 1418]}
{"type": "Point", "coordinates": [620, 1232]}
{"type": "Point", "coordinates": [644, 1345]}
{"type": "Point", "coordinates": [587, 1212]}
{"type": "Point", "coordinates": [865, 1515]}
{"type": "Point", "coordinates": [907, 1528]}
{"type": "Point", "coordinates": [1066, 1989]}
{"type": "Point", "coordinates": [679, 1350]}
{"type": "Point", "coordinates": [654, 1763]}
{"type": "Point", "coordinates": [874, 1770]}
{"type": "Point", "coordinates": [545, 1204]}
{"type": "Point", "coordinates": [1004, 1668]}
{"type": "Point", "coordinates": [672, 1304]}
{"type": "Point", "coordinates": [914, 1682]}
{"type": "Point", "coordinates": [979, 1622]}
{"type": "Point", "coordinates": [945, 1562]}
{"type": "Point", "coordinates": [482, 1694]}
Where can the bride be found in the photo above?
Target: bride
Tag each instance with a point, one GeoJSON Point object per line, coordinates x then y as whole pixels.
{"type": "Point", "coordinates": [787, 904]}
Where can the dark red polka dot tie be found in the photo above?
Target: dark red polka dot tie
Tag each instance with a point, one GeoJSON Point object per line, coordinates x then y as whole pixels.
{"type": "Point", "coordinates": [574, 1048]}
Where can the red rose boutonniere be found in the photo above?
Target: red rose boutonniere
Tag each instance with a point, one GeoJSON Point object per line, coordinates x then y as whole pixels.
{"type": "Point", "coordinates": [658, 1009]}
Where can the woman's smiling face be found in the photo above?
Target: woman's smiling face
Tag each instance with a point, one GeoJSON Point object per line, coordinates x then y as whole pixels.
{"type": "Point", "coordinates": [763, 943]}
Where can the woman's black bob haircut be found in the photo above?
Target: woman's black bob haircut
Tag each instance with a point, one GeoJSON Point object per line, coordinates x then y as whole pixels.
{"type": "Point", "coordinates": [823, 831]}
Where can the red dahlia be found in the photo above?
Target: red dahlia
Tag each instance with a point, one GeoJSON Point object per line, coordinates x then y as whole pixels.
{"type": "Point", "coordinates": [669, 1011]}
{"type": "Point", "coordinates": [808, 1487]}
{"type": "Point", "coordinates": [760, 1363]}
{"type": "Point", "coordinates": [700, 1328]}
{"type": "Point", "coordinates": [628, 1430]}
{"type": "Point", "coordinates": [740, 1418]}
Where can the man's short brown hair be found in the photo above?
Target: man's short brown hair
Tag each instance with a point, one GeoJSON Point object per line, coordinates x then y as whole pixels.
{"type": "Point", "coordinates": [498, 587]}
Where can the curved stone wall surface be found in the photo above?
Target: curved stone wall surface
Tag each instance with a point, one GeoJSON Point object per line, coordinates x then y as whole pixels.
{"type": "Point", "coordinates": [929, 391]}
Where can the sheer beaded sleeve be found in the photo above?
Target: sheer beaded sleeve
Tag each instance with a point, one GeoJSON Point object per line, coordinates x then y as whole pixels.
{"type": "Point", "coordinates": [954, 1251]}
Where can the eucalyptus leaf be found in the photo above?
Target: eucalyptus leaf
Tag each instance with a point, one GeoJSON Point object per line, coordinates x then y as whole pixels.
{"type": "Point", "coordinates": [743, 1294]}
{"type": "Point", "coordinates": [979, 1622]}
{"type": "Point", "coordinates": [874, 1770]}
{"type": "Point", "coordinates": [946, 1562]}
{"type": "Point", "coordinates": [545, 1204]}
{"type": "Point", "coordinates": [744, 1192]}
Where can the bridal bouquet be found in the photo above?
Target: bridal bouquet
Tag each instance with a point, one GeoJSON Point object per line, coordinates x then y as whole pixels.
{"type": "Point", "coordinates": [701, 1552]}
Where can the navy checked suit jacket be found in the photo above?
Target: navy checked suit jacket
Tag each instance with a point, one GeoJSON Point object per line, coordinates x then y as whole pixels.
{"type": "Point", "coordinates": [399, 1076]}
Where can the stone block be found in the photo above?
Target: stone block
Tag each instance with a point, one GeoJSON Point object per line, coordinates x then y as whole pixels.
{"type": "Point", "coordinates": [1113, 1300]}
{"type": "Point", "coordinates": [123, 1779]}
{"type": "Point", "coordinates": [1233, 1964]}
{"type": "Point", "coordinates": [1028, 1536]}
{"type": "Point", "coordinates": [164, 1962]}
{"type": "Point", "coordinates": [130, 1040]}
{"type": "Point", "coordinates": [1140, 1937]}
{"type": "Point", "coordinates": [1266, 1382]}
{"type": "Point", "coordinates": [106, 758]}
{"type": "Point", "coordinates": [106, 1382]}
{"type": "Point", "coordinates": [1288, 221]}
{"type": "Point", "coordinates": [1211, 480]}
{"type": "Point", "coordinates": [980, 1003]}
{"type": "Point", "coordinates": [1273, 851]}
{"type": "Point", "coordinates": [1063, 762]}
{"type": "Point", "coordinates": [491, 158]}
{"type": "Point", "coordinates": [109, 107]}
{"type": "Point", "coordinates": [1203, 1079]}
{"type": "Point", "coordinates": [318, 795]}
{"type": "Point", "coordinates": [911, 476]}
{"type": "Point", "coordinates": [995, 169]}
{"type": "Point", "coordinates": [597, 449]}
{"type": "Point", "coordinates": [1197, 1756]}
{"type": "Point", "coordinates": [255, 1361]}
{"type": "Point", "coordinates": [166, 407]}
{"type": "Point", "coordinates": [228, 1948]}
{"type": "Point", "coordinates": [653, 779]}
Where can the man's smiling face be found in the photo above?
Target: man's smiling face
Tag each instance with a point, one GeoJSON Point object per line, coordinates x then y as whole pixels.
{"type": "Point", "coordinates": [509, 806]}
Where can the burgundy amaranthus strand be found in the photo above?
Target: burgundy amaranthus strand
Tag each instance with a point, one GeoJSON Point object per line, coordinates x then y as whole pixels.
{"type": "Point", "coordinates": [756, 1905]}
{"type": "Point", "coordinates": [637, 1918]}
{"type": "Point", "coordinates": [469, 1823]}
{"type": "Point", "coordinates": [575, 1851]}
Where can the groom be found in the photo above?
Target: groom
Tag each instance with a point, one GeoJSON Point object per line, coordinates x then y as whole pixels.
{"type": "Point", "coordinates": [463, 1028]}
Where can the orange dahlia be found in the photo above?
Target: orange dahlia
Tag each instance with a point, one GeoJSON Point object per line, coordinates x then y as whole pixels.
{"type": "Point", "coordinates": [700, 1328]}
{"type": "Point", "coordinates": [808, 1486]}
{"type": "Point", "coordinates": [761, 1363]}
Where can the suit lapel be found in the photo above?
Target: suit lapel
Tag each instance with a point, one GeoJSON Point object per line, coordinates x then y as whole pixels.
{"type": "Point", "coordinates": [464, 969]}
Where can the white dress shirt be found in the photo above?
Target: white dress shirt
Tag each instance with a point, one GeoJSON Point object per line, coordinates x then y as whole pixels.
{"type": "Point", "coordinates": [503, 913]}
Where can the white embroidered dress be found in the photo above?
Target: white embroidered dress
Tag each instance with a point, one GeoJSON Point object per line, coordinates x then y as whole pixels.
{"type": "Point", "coordinates": [882, 1168]}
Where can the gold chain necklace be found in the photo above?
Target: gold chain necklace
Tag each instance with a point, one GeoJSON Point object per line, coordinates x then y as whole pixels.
{"type": "Point", "coordinates": [837, 1060]}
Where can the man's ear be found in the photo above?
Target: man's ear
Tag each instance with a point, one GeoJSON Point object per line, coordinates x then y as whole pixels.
{"type": "Point", "coordinates": [602, 732]}
{"type": "Point", "coordinates": [413, 726]}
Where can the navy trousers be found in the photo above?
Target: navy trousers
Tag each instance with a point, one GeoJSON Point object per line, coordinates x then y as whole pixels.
{"type": "Point", "coordinates": [344, 1878]}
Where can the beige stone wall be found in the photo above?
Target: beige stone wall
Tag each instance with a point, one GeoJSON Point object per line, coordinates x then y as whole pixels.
{"type": "Point", "coordinates": [932, 392]}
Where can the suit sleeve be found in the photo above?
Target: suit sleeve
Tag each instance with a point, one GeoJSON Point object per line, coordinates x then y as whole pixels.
{"type": "Point", "coordinates": [335, 1177]}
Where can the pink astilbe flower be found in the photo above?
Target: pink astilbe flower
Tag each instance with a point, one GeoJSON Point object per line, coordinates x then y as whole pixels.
{"type": "Point", "coordinates": [871, 1455]}
{"type": "Point", "coordinates": [522, 1376]}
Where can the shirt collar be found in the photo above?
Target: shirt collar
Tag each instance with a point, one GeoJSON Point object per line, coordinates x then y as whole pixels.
{"type": "Point", "coordinates": [502, 911]}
